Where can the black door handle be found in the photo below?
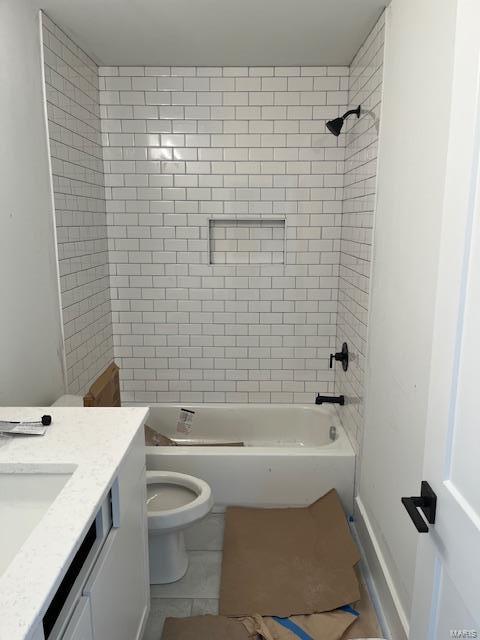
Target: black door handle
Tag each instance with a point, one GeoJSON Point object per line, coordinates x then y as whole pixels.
{"type": "Point", "coordinates": [411, 505]}
{"type": "Point", "coordinates": [427, 502]}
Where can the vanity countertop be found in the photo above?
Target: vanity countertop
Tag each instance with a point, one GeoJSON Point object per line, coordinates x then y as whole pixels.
{"type": "Point", "coordinates": [89, 443]}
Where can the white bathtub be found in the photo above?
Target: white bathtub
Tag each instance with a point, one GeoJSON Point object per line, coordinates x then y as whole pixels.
{"type": "Point", "coordinates": [288, 459]}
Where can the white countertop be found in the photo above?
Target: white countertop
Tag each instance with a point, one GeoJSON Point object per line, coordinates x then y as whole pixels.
{"type": "Point", "coordinates": [93, 442]}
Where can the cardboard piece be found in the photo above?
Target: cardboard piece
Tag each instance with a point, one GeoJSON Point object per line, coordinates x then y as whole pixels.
{"type": "Point", "coordinates": [323, 626]}
{"type": "Point", "coordinates": [205, 628]}
{"type": "Point", "coordinates": [318, 626]}
{"type": "Point", "coordinates": [366, 625]}
{"type": "Point", "coordinates": [284, 562]}
{"type": "Point", "coordinates": [334, 625]}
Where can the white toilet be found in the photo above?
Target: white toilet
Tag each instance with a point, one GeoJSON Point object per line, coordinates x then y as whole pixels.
{"type": "Point", "coordinates": [174, 502]}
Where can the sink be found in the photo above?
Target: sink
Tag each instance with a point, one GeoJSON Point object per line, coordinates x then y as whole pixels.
{"type": "Point", "coordinates": [25, 496]}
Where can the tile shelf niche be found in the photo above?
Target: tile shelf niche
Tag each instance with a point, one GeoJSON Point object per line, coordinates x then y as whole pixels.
{"type": "Point", "coordinates": [247, 240]}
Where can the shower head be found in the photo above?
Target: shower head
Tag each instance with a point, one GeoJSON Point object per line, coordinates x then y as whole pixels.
{"type": "Point", "coordinates": [335, 126]}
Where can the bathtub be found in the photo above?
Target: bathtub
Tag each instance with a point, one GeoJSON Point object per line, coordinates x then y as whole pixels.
{"type": "Point", "coordinates": [289, 457]}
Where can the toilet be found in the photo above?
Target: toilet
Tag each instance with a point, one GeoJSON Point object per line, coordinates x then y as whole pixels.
{"type": "Point", "coordinates": [175, 501]}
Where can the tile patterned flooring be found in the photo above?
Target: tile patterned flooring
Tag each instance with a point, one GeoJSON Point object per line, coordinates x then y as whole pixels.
{"type": "Point", "coordinates": [195, 594]}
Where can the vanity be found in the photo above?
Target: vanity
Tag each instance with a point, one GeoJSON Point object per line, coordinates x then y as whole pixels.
{"type": "Point", "coordinates": [74, 539]}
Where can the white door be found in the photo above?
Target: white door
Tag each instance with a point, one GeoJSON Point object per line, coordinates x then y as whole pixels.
{"type": "Point", "coordinates": [446, 600]}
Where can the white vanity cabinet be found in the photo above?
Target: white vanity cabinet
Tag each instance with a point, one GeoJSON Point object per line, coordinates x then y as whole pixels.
{"type": "Point", "coordinates": [80, 625]}
{"type": "Point", "coordinates": [118, 586]}
{"type": "Point", "coordinates": [109, 596]}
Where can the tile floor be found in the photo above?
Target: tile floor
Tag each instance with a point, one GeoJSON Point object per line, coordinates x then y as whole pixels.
{"type": "Point", "coordinates": [195, 594]}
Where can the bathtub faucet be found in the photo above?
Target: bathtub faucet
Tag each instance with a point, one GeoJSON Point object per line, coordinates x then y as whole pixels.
{"type": "Point", "coordinates": [330, 399]}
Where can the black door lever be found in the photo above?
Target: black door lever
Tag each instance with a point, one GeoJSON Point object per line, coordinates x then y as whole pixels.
{"type": "Point", "coordinates": [427, 502]}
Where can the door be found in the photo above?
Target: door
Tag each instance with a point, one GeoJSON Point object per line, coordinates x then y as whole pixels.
{"type": "Point", "coordinates": [446, 601]}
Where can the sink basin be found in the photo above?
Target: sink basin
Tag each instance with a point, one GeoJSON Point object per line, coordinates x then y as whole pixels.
{"type": "Point", "coordinates": [24, 498]}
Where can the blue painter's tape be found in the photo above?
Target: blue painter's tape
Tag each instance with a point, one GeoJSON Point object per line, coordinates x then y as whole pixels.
{"type": "Point", "coordinates": [349, 609]}
{"type": "Point", "coordinates": [299, 632]}
{"type": "Point", "coordinates": [294, 628]}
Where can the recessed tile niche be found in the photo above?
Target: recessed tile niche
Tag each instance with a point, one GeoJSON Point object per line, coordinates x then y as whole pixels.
{"type": "Point", "coordinates": [247, 241]}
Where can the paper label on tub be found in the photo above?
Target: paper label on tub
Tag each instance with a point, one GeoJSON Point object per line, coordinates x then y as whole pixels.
{"type": "Point", "coordinates": [185, 421]}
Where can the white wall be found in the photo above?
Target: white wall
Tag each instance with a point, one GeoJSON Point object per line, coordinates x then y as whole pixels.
{"type": "Point", "coordinates": [412, 153]}
{"type": "Point", "coordinates": [30, 326]}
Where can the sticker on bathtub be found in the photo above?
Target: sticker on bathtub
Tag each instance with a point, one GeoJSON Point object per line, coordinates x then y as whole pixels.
{"type": "Point", "coordinates": [185, 421]}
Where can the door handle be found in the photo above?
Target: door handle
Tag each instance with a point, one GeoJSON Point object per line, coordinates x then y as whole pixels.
{"type": "Point", "coordinates": [427, 502]}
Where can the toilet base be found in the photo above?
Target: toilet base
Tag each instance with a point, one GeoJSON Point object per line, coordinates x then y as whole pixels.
{"type": "Point", "coordinates": [167, 556]}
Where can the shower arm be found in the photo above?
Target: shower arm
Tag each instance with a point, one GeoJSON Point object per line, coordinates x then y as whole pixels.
{"type": "Point", "coordinates": [351, 112]}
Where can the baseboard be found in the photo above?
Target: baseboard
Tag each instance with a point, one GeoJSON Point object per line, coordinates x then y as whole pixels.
{"type": "Point", "coordinates": [391, 614]}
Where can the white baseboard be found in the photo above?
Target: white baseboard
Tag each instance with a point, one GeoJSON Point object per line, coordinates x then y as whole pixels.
{"type": "Point", "coordinates": [391, 614]}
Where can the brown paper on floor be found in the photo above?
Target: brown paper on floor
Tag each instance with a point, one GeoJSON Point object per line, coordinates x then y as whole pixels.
{"type": "Point", "coordinates": [205, 628]}
{"type": "Point", "coordinates": [291, 561]}
{"type": "Point", "coordinates": [335, 625]}
{"type": "Point", "coordinates": [322, 626]}
{"type": "Point", "coordinates": [366, 625]}
{"type": "Point", "coordinates": [319, 626]}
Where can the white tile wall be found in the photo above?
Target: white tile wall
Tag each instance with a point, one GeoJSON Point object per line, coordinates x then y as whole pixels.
{"type": "Point", "coordinates": [201, 311]}
{"type": "Point", "coordinates": [71, 80]}
{"type": "Point", "coordinates": [247, 241]}
{"type": "Point", "coordinates": [365, 88]}
{"type": "Point", "coordinates": [182, 145]}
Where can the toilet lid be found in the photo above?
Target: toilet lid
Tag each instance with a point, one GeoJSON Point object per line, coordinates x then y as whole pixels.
{"type": "Point", "coordinates": [163, 496]}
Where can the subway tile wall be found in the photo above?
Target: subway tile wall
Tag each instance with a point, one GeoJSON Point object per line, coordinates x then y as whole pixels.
{"type": "Point", "coordinates": [365, 88]}
{"type": "Point", "coordinates": [244, 241]}
{"type": "Point", "coordinates": [183, 146]}
{"type": "Point", "coordinates": [188, 154]}
{"type": "Point", "coordinates": [71, 86]}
